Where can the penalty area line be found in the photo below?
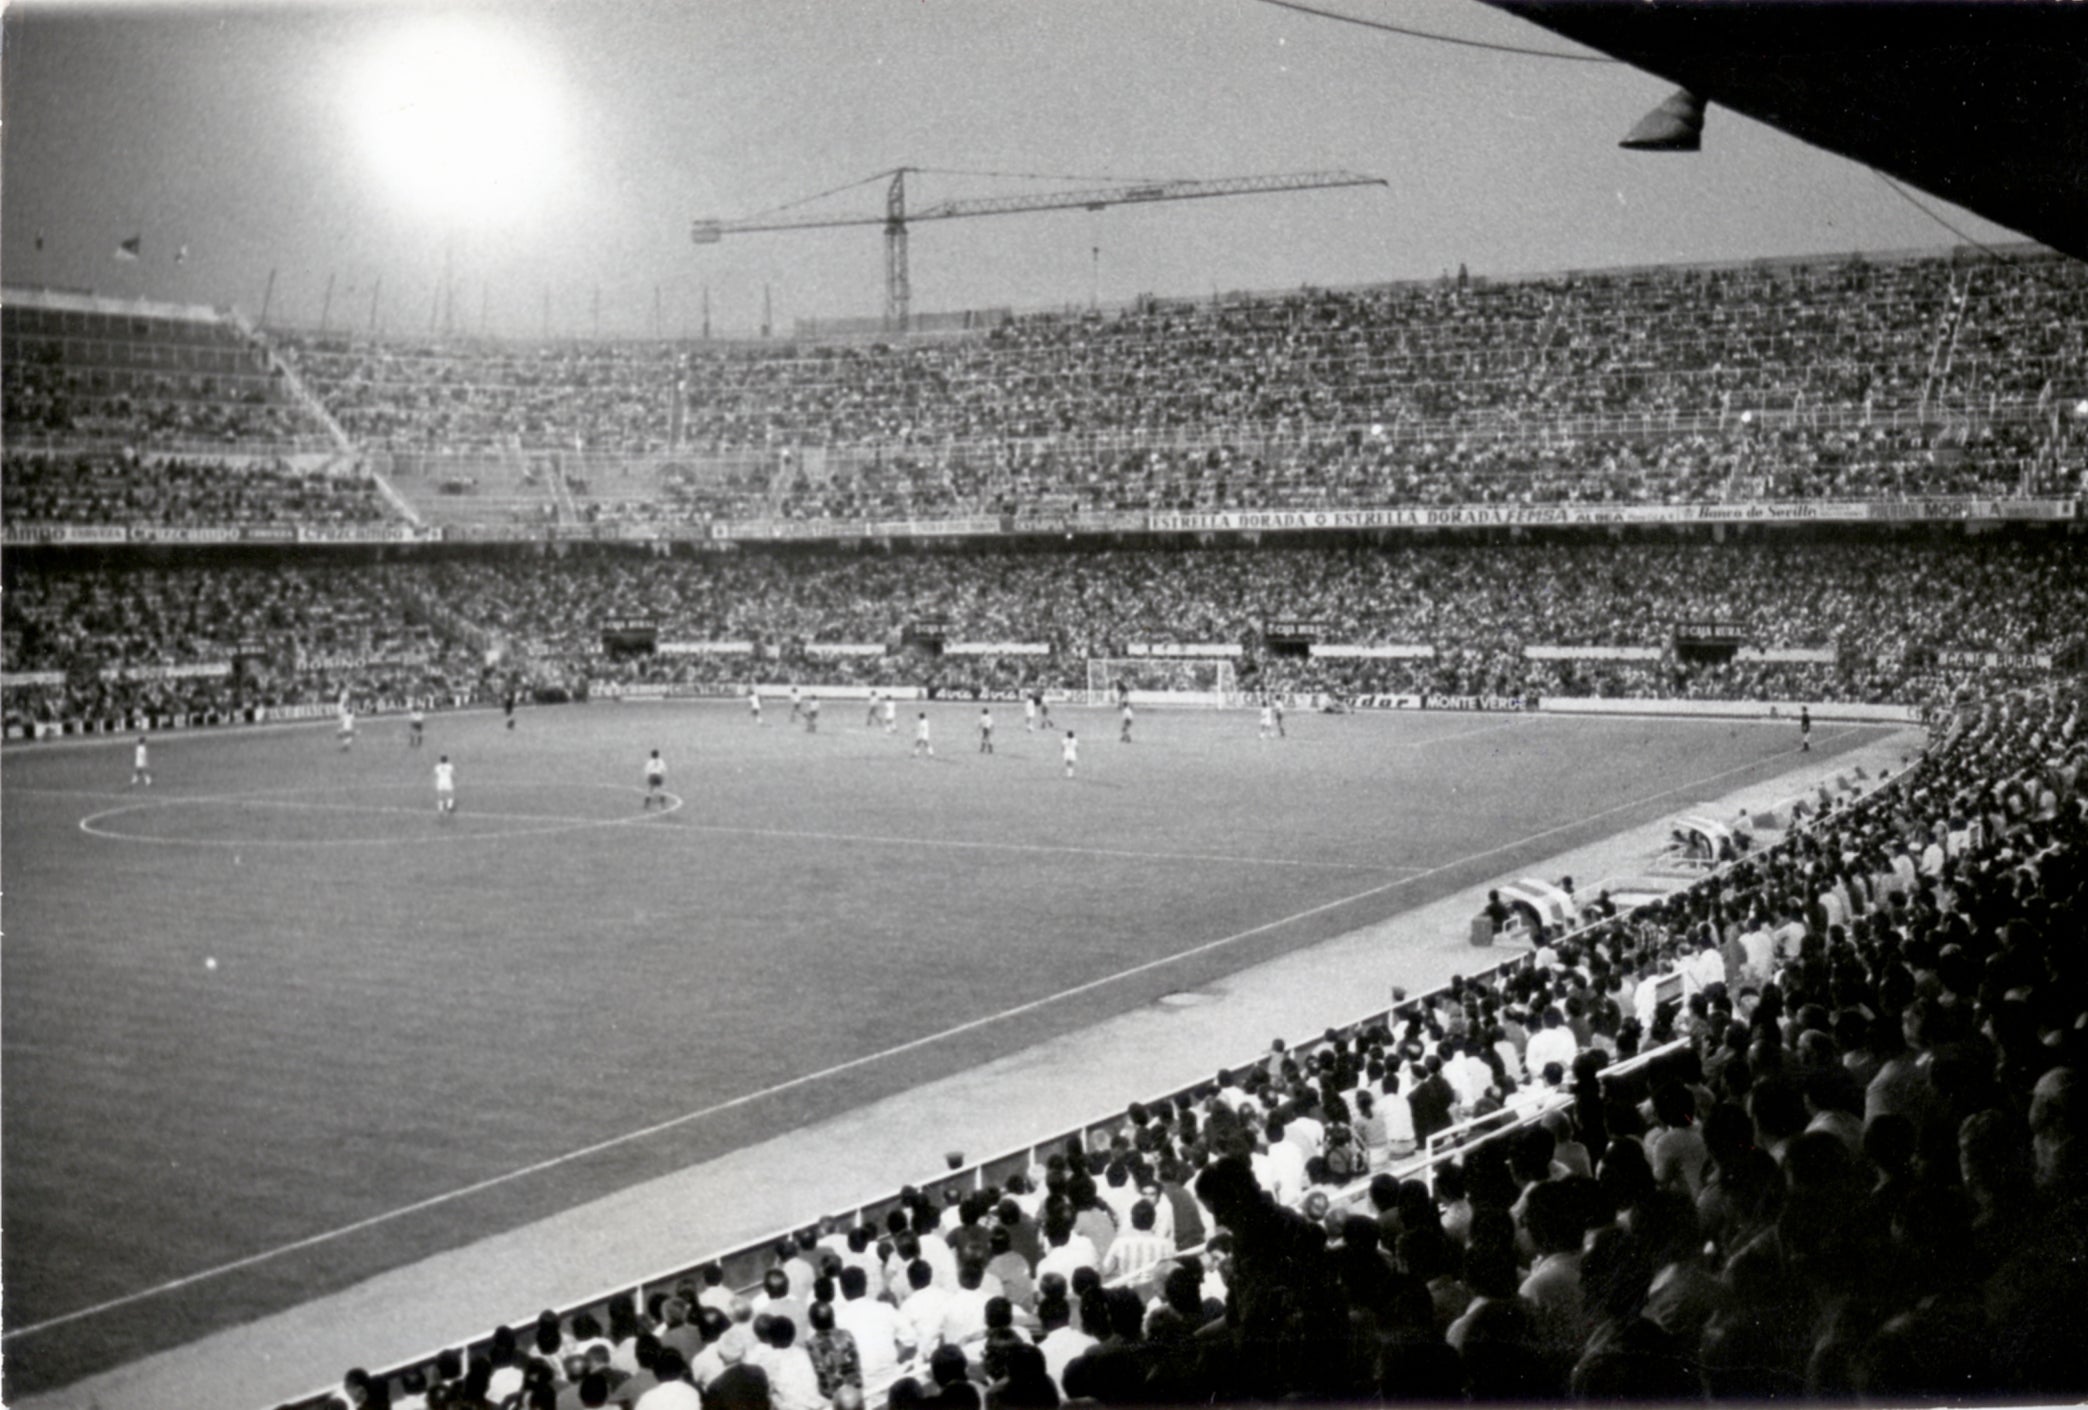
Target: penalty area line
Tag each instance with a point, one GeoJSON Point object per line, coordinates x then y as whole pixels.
{"type": "Point", "coordinates": [852, 1064]}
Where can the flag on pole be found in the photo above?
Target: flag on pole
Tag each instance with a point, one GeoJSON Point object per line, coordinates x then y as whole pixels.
{"type": "Point", "coordinates": [131, 249]}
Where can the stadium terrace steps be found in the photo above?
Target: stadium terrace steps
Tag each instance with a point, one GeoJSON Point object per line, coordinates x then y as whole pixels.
{"type": "Point", "coordinates": [779, 1184]}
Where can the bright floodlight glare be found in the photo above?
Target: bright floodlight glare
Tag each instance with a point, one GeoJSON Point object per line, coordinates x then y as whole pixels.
{"type": "Point", "coordinates": [461, 118]}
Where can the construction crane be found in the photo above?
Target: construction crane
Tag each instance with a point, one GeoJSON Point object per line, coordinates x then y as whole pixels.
{"type": "Point", "coordinates": [896, 217]}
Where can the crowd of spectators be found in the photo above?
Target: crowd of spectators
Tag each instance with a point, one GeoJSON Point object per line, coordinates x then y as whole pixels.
{"type": "Point", "coordinates": [125, 641]}
{"type": "Point", "coordinates": [73, 376]}
{"type": "Point", "coordinates": [1922, 376]}
{"type": "Point", "coordinates": [1851, 1166]}
{"type": "Point", "coordinates": [122, 487]}
{"type": "Point", "coordinates": [1888, 615]}
{"type": "Point", "coordinates": [1332, 467]}
{"type": "Point", "coordinates": [1881, 608]}
{"type": "Point", "coordinates": [1916, 377]}
{"type": "Point", "coordinates": [420, 396]}
{"type": "Point", "coordinates": [1770, 337]}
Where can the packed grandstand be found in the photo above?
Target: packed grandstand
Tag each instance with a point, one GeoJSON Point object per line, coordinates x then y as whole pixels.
{"type": "Point", "coordinates": [1803, 1129]}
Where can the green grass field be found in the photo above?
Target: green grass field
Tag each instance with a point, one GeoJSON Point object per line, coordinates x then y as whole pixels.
{"type": "Point", "coordinates": [405, 1006]}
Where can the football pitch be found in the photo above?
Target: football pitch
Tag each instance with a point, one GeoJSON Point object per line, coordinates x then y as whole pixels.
{"type": "Point", "coordinates": [273, 1025]}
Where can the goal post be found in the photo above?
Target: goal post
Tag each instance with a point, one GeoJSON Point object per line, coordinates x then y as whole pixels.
{"type": "Point", "coordinates": [1210, 681]}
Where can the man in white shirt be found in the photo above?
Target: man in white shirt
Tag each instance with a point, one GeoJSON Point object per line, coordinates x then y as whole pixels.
{"type": "Point", "coordinates": [1065, 1251]}
{"type": "Point", "coordinates": [793, 1381]}
{"type": "Point", "coordinates": [714, 1293]}
{"type": "Point", "coordinates": [939, 1255]}
{"type": "Point", "coordinates": [924, 1306]}
{"type": "Point", "coordinates": [1702, 967]}
{"type": "Point", "coordinates": [778, 1299]}
{"type": "Point", "coordinates": [1645, 998]}
{"type": "Point", "coordinates": [1305, 1130]}
{"type": "Point", "coordinates": [1281, 1167]}
{"type": "Point", "coordinates": [1789, 936]}
{"type": "Point", "coordinates": [1467, 1074]}
{"type": "Point", "coordinates": [1758, 952]}
{"type": "Point", "coordinates": [1551, 1043]}
{"type": "Point", "coordinates": [860, 1251]}
{"type": "Point", "coordinates": [801, 1266]}
{"type": "Point", "coordinates": [1934, 854]}
{"type": "Point", "coordinates": [964, 1315]}
{"type": "Point", "coordinates": [673, 1391]}
{"type": "Point", "coordinates": [728, 1349]}
{"type": "Point", "coordinates": [1030, 1197]}
{"type": "Point", "coordinates": [1062, 1342]}
{"type": "Point", "coordinates": [1118, 1192]}
{"type": "Point", "coordinates": [883, 1338]}
{"type": "Point", "coordinates": [1163, 1209]}
{"type": "Point", "coordinates": [1137, 1250]}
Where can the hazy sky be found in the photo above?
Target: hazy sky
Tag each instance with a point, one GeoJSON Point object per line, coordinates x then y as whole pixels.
{"type": "Point", "coordinates": [558, 150]}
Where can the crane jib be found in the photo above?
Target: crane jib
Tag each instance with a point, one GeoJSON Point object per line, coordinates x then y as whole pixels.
{"type": "Point", "coordinates": [897, 217]}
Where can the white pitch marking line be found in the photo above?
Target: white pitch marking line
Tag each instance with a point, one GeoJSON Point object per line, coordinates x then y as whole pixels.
{"type": "Point", "coordinates": [1513, 723]}
{"type": "Point", "coordinates": [554, 822]}
{"type": "Point", "coordinates": [790, 1084]}
{"type": "Point", "coordinates": [312, 806]}
{"type": "Point", "coordinates": [968, 844]}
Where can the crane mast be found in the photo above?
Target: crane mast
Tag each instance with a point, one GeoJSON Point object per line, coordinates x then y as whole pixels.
{"type": "Point", "coordinates": [897, 218]}
{"type": "Point", "coordinates": [898, 284]}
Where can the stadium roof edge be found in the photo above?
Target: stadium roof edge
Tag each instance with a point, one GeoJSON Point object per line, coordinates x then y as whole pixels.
{"type": "Point", "coordinates": [84, 301]}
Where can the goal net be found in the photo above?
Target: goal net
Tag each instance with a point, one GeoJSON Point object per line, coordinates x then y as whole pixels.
{"type": "Point", "coordinates": [1183, 680]}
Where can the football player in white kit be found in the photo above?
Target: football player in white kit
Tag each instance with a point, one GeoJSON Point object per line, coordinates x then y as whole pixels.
{"type": "Point", "coordinates": [1070, 752]}
{"type": "Point", "coordinates": [445, 785]}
